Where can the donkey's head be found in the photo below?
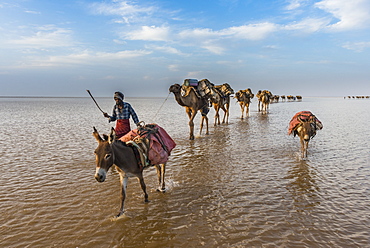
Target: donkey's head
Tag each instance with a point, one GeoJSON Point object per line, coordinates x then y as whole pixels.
{"type": "Point", "coordinates": [306, 129]}
{"type": "Point", "coordinates": [104, 156]}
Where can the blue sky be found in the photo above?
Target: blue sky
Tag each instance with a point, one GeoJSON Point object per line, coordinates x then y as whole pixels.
{"type": "Point", "coordinates": [298, 47]}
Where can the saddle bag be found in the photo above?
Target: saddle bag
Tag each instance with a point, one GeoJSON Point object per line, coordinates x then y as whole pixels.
{"type": "Point", "coordinates": [191, 82]}
{"type": "Point", "coordinates": [159, 143]}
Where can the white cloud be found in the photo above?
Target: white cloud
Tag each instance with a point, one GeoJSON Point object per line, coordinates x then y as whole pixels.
{"type": "Point", "coordinates": [218, 41]}
{"type": "Point", "coordinates": [351, 14]}
{"type": "Point", "coordinates": [357, 46]}
{"type": "Point", "coordinates": [44, 37]}
{"type": "Point", "coordinates": [294, 4]}
{"type": "Point", "coordinates": [246, 32]}
{"type": "Point", "coordinates": [85, 57]}
{"type": "Point", "coordinates": [32, 12]}
{"type": "Point", "coordinates": [252, 31]}
{"type": "Point", "coordinates": [308, 25]}
{"type": "Point", "coordinates": [173, 67]}
{"type": "Point", "coordinates": [166, 49]}
{"type": "Point", "coordinates": [151, 33]}
{"type": "Point", "coordinates": [127, 11]}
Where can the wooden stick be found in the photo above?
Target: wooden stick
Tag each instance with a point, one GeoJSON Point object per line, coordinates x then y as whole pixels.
{"type": "Point", "coordinates": [95, 101]}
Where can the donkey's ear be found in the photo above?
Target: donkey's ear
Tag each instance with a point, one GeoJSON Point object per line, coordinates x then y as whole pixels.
{"type": "Point", "coordinates": [96, 135]}
{"type": "Point", "coordinates": [112, 136]}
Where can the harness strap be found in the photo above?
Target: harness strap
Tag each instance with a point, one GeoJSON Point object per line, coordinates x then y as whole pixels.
{"type": "Point", "coordinates": [143, 159]}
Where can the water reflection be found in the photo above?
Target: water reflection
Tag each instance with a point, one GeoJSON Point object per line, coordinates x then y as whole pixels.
{"type": "Point", "coordinates": [303, 186]}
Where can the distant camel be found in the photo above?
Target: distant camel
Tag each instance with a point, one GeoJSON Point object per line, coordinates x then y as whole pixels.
{"type": "Point", "coordinates": [275, 98]}
{"type": "Point", "coordinates": [244, 98]}
{"type": "Point", "coordinates": [192, 103]}
{"type": "Point", "coordinates": [222, 102]}
{"type": "Point", "coordinates": [264, 98]}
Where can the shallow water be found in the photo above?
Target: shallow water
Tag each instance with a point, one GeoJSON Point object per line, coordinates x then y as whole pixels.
{"type": "Point", "coordinates": [244, 185]}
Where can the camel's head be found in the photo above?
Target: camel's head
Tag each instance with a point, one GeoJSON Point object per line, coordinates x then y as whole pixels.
{"type": "Point", "coordinates": [238, 95]}
{"type": "Point", "coordinates": [175, 88]}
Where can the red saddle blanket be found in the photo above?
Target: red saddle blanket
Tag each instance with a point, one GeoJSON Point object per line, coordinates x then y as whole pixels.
{"type": "Point", "coordinates": [304, 115]}
{"type": "Point", "coordinates": [160, 143]}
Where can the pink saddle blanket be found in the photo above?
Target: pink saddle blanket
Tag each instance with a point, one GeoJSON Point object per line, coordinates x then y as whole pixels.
{"type": "Point", "coordinates": [160, 143]}
{"type": "Point", "coordinates": [304, 115]}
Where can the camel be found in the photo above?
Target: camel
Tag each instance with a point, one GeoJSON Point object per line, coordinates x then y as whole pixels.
{"type": "Point", "coordinates": [222, 101]}
{"type": "Point", "coordinates": [192, 103]}
{"type": "Point", "coordinates": [264, 98]}
{"type": "Point", "coordinates": [290, 98]}
{"type": "Point", "coordinates": [244, 98]}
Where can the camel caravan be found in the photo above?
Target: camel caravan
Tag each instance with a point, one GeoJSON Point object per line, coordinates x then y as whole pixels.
{"type": "Point", "coordinates": [149, 145]}
{"type": "Point", "coordinates": [196, 96]}
{"type": "Point", "coordinates": [357, 97]}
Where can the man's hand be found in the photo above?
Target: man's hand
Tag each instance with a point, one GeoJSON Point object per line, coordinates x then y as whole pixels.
{"type": "Point", "coordinates": [106, 115]}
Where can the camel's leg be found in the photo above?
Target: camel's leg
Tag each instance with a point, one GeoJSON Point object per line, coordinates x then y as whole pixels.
{"type": "Point", "coordinates": [204, 118]}
{"type": "Point", "coordinates": [143, 187]}
{"type": "Point", "coordinates": [161, 169]}
{"type": "Point", "coordinates": [225, 113]}
{"type": "Point", "coordinates": [188, 112]}
{"type": "Point", "coordinates": [242, 106]}
{"type": "Point", "coordinates": [191, 122]}
{"type": "Point", "coordinates": [201, 125]}
{"type": "Point", "coordinates": [247, 109]}
{"type": "Point", "coordinates": [217, 115]}
{"type": "Point", "coordinates": [124, 181]}
{"type": "Point", "coordinates": [242, 110]}
{"type": "Point", "coordinates": [227, 107]}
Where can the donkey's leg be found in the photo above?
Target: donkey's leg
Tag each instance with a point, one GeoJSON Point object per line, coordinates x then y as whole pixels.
{"type": "Point", "coordinates": [124, 181]}
{"type": "Point", "coordinates": [305, 148]}
{"type": "Point", "coordinates": [143, 187]}
{"type": "Point", "coordinates": [302, 147]}
{"type": "Point", "coordinates": [161, 169]}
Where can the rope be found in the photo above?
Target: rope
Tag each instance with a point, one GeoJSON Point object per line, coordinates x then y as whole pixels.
{"type": "Point", "coordinates": [161, 107]}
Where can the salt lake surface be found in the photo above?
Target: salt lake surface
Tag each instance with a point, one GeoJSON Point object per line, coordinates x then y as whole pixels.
{"type": "Point", "coordinates": [244, 185]}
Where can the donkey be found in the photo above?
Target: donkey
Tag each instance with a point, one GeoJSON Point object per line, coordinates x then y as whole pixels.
{"type": "Point", "coordinates": [115, 152]}
{"type": "Point", "coordinates": [306, 130]}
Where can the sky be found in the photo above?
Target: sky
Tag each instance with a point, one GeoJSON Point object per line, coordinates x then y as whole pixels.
{"type": "Point", "coordinates": [297, 47]}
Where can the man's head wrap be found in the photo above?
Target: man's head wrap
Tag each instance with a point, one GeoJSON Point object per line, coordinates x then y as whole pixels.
{"type": "Point", "coordinates": [119, 95]}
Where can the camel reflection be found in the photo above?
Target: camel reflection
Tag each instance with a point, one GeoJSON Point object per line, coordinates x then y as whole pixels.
{"type": "Point", "coordinates": [303, 187]}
